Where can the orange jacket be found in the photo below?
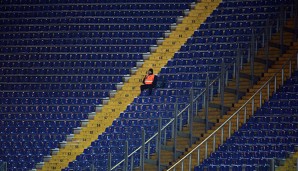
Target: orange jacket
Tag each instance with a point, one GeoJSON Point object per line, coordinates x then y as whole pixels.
{"type": "Point", "coordinates": [149, 79]}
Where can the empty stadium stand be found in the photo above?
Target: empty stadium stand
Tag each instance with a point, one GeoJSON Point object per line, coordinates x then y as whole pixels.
{"type": "Point", "coordinates": [61, 60]}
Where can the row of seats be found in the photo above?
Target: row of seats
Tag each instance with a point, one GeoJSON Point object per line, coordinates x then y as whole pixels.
{"type": "Point", "coordinates": [235, 4]}
{"type": "Point", "coordinates": [97, 6]}
{"type": "Point", "coordinates": [85, 27]}
{"type": "Point", "coordinates": [32, 130]}
{"type": "Point", "coordinates": [204, 55]}
{"type": "Point", "coordinates": [247, 17]}
{"type": "Point", "coordinates": [90, 13]}
{"type": "Point", "coordinates": [73, 70]}
{"type": "Point", "coordinates": [79, 41]}
{"type": "Point", "coordinates": [90, 1]}
{"type": "Point", "coordinates": [246, 148]}
{"type": "Point", "coordinates": [198, 77]}
{"type": "Point", "coordinates": [150, 107]}
{"type": "Point", "coordinates": [85, 34]}
{"type": "Point", "coordinates": [78, 63]}
{"type": "Point", "coordinates": [276, 111]}
{"type": "Point", "coordinates": [36, 123]}
{"type": "Point", "coordinates": [28, 144]}
{"type": "Point", "coordinates": [93, 20]}
{"type": "Point", "coordinates": [266, 119]}
{"type": "Point", "coordinates": [220, 40]}
{"type": "Point", "coordinates": [141, 49]}
{"type": "Point", "coordinates": [270, 133]}
{"type": "Point", "coordinates": [49, 79]}
{"type": "Point", "coordinates": [54, 86]}
{"type": "Point", "coordinates": [281, 103]}
{"type": "Point", "coordinates": [32, 137]}
{"type": "Point", "coordinates": [143, 115]}
{"type": "Point", "coordinates": [73, 56]}
{"type": "Point", "coordinates": [53, 94]}
{"type": "Point", "coordinates": [199, 47]}
{"type": "Point", "coordinates": [24, 152]}
{"type": "Point", "coordinates": [159, 99]}
{"type": "Point", "coordinates": [233, 30]}
{"type": "Point", "coordinates": [269, 126]}
{"type": "Point", "coordinates": [46, 108]}
{"type": "Point", "coordinates": [67, 115]}
{"type": "Point", "coordinates": [248, 10]}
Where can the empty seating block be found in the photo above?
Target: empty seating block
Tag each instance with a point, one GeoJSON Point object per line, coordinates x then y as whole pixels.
{"type": "Point", "coordinates": [59, 59]}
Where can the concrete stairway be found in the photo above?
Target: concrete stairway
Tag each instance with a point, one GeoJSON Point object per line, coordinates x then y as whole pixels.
{"type": "Point", "coordinates": [230, 101]}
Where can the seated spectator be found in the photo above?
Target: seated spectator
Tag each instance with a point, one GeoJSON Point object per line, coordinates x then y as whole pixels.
{"type": "Point", "coordinates": [149, 81]}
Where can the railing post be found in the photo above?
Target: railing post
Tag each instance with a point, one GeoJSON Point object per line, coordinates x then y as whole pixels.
{"type": "Point", "coordinates": [268, 90]}
{"type": "Point", "coordinates": [222, 88]}
{"type": "Point", "coordinates": [148, 149]}
{"type": "Point", "coordinates": [158, 150]}
{"type": "Point", "coordinates": [189, 163]}
{"type": "Point", "coordinates": [295, 21]}
{"type": "Point", "coordinates": [272, 164]}
{"type": "Point", "coordinates": [234, 66]}
{"type": "Point", "coordinates": [206, 149]}
{"type": "Point", "coordinates": [227, 77]}
{"type": "Point", "coordinates": [275, 84]}
{"type": "Point", "coordinates": [199, 155]}
{"type": "Point", "coordinates": [297, 61]}
{"type": "Point", "coordinates": [281, 35]}
{"type": "Point", "coordinates": [282, 76]}
{"type": "Point", "coordinates": [290, 69]}
{"type": "Point", "coordinates": [110, 161]}
{"type": "Point", "coordinates": [222, 136]}
{"type": "Point", "coordinates": [237, 77]}
{"type": "Point", "coordinates": [142, 157]}
{"type": "Point", "coordinates": [131, 163]}
{"type": "Point", "coordinates": [245, 113]}
{"type": "Point", "coordinates": [267, 45]}
{"type": "Point", "coordinates": [214, 142]}
{"type": "Point", "coordinates": [191, 117]}
{"type": "Point", "coordinates": [230, 126]}
{"type": "Point", "coordinates": [126, 157]}
{"type": "Point", "coordinates": [252, 52]}
{"type": "Point", "coordinates": [260, 98]}
{"type": "Point", "coordinates": [237, 121]}
{"type": "Point", "coordinates": [252, 106]}
{"type": "Point", "coordinates": [196, 111]}
{"type": "Point", "coordinates": [206, 104]}
{"type": "Point", "coordinates": [175, 132]}
{"type": "Point", "coordinates": [92, 167]}
{"type": "Point", "coordinates": [211, 93]}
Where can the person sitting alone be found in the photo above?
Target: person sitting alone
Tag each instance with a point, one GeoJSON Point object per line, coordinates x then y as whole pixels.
{"type": "Point", "coordinates": [149, 81]}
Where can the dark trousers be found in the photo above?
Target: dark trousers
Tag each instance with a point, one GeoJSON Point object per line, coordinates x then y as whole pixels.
{"type": "Point", "coordinates": [147, 86]}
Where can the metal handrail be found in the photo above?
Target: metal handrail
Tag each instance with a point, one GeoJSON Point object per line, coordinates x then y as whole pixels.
{"type": "Point", "coordinates": [3, 166]}
{"type": "Point", "coordinates": [172, 120]}
{"type": "Point", "coordinates": [235, 113]}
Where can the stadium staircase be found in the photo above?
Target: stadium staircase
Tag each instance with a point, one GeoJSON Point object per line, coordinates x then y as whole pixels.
{"type": "Point", "coordinates": [231, 102]}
